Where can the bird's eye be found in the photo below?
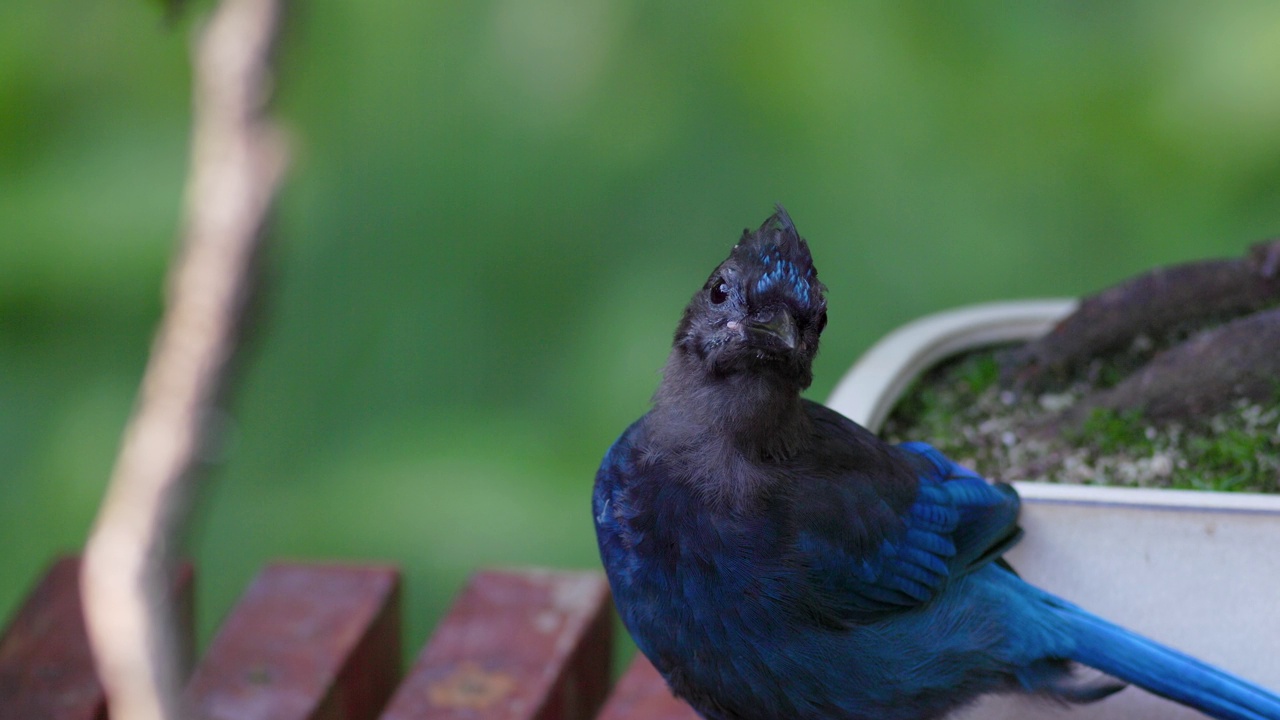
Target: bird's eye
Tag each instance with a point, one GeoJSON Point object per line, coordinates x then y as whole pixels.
{"type": "Point", "coordinates": [719, 293]}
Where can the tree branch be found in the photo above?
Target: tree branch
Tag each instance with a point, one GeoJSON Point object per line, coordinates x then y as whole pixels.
{"type": "Point", "coordinates": [237, 163]}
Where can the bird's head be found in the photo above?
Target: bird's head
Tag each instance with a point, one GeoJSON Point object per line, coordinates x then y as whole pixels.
{"type": "Point", "coordinates": [761, 311]}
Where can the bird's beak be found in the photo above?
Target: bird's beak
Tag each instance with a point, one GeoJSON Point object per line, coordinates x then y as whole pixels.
{"type": "Point", "coordinates": [772, 329]}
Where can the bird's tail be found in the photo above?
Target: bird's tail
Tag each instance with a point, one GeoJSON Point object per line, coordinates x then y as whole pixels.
{"type": "Point", "coordinates": [1166, 672]}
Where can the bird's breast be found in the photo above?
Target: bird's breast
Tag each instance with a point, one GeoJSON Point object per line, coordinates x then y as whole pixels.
{"type": "Point", "coordinates": [686, 574]}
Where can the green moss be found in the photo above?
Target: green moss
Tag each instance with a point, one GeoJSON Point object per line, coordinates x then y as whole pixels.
{"type": "Point", "coordinates": [960, 408]}
{"type": "Point", "coordinates": [1111, 431]}
{"type": "Point", "coordinates": [1231, 460]}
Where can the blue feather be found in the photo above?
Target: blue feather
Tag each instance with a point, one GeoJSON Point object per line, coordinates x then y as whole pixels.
{"type": "Point", "coordinates": [1163, 671]}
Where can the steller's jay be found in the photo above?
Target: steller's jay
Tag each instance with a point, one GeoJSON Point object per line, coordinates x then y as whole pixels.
{"type": "Point", "coordinates": [774, 559]}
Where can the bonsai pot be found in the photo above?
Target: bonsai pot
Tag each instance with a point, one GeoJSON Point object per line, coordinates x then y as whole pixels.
{"type": "Point", "coordinates": [1198, 571]}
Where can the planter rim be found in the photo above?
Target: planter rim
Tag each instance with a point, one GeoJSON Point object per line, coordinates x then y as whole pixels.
{"type": "Point", "coordinates": [870, 389]}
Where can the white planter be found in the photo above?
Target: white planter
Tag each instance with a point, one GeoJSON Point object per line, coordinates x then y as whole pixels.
{"type": "Point", "coordinates": [1198, 571]}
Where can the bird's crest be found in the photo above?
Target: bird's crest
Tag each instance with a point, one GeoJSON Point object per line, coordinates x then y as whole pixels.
{"type": "Point", "coordinates": [780, 259]}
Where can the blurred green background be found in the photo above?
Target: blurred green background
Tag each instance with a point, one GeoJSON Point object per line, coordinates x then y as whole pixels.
{"type": "Point", "coordinates": [497, 210]}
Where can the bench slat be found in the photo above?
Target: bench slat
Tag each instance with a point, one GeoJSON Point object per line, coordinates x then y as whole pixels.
{"type": "Point", "coordinates": [46, 666]}
{"type": "Point", "coordinates": [516, 645]}
{"type": "Point", "coordinates": [304, 642]}
{"type": "Point", "coordinates": [642, 694]}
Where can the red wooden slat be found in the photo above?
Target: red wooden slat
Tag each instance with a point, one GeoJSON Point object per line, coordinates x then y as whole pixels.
{"type": "Point", "coordinates": [516, 645]}
{"type": "Point", "coordinates": [642, 694]}
{"type": "Point", "coordinates": [304, 642]}
{"type": "Point", "coordinates": [46, 667]}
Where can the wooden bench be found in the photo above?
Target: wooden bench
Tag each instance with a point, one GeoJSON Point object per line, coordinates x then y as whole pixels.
{"type": "Point", "coordinates": [322, 641]}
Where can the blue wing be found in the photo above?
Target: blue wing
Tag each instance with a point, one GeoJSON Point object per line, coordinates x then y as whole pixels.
{"type": "Point", "coordinates": [887, 528]}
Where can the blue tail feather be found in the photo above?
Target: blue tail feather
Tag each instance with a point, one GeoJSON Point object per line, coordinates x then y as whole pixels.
{"type": "Point", "coordinates": [1166, 672]}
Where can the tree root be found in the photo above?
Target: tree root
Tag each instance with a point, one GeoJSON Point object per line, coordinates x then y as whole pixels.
{"type": "Point", "coordinates": [1198, 378]}
{"type": "Point", "coordinates": [1152, 304]}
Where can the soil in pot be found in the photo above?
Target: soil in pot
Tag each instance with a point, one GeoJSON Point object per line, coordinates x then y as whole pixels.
{"type": "Point", "coordinates": [1168, 379]}
{"type": "Point", "coordinates": [1040, 435]}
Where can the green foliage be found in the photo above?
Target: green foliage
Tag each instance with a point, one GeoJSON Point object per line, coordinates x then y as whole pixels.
{"type": "Point", "coordinates": [978, 373]}
{"type": "Point", "coordinates": [1233, 460]}
{"type": "Point", "coordinates": [936, 405]}
{"type": "Point", "coordinates": [1112, 431]}
{"type": "Point", "coordinates": [497, 210]}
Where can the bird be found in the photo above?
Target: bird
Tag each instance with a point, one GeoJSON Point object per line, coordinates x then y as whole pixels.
{"type": "Point", "coordinates": [774, 559]}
